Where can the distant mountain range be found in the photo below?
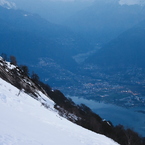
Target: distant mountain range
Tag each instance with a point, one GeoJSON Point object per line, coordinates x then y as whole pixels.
{"type": "Point", "coordinates": [28, 35]}
{"type": "Point", "coordinates": [127, 50]}
{"type": "Point", "coordinates": [25, 34]}
{"type": "Point", "coordinates": [105, 20]}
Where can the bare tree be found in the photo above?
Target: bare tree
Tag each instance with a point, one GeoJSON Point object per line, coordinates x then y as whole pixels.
{"type": "Point", "coordinates": [35, 77]}
{"type": "Point", "coordinates": [13, 60]}
{"type": "Point", "coordinates": [25, 70]}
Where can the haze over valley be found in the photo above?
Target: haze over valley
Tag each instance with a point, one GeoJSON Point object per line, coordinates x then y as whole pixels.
{"type": "Point", "coordinates": [92, 51]}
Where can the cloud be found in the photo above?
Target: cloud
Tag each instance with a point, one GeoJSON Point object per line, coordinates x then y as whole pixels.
{"type": "Point", "coordinates": [68, 0]}
{"type": "Point", "coordinates": [7, 4]}
{"type": "Point", "coordinates": [131, 2]}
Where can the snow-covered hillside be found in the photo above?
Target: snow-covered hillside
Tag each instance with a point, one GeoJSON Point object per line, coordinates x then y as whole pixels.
{"type": "Point", "coordinates": [24, 121]}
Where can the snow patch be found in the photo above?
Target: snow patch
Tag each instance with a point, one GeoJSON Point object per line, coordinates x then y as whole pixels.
{"type": "Point", "coordinates": [10, 66]}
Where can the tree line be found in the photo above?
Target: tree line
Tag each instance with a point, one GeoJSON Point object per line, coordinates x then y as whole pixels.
{"type": "Point", "coordinates": [25, 70]}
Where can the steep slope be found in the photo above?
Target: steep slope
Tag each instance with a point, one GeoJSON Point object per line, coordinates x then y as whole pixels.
{"type": "Point", "coordinates": [127, 50]}
{"type": "Point", "coordinates": [78, 114]}
{"type": "Point", "coordinates": [24, 121]}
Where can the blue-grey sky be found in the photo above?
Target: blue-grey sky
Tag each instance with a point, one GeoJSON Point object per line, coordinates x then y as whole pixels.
{"type": "Point", "coordinates": [57, 11]}
{"type": "Point", "coordinates": [132, 2]}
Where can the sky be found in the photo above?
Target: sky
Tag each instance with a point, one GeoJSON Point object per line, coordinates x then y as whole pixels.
{"type": "Point", "coordinates": [132, 2]}
{"type": "Point", "coordinates": [129, 2]}
{"type": "Point", "coordinates": [55, 11]}
{"type": "Point", "coordinates": [58, 11]}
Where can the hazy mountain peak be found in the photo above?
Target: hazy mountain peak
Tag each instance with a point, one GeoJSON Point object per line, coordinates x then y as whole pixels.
{"type": "Point", "coordinates": [6, 4]}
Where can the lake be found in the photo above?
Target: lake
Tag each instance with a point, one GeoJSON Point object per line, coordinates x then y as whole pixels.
{"type": "Point", "coordinates": [133, 118]}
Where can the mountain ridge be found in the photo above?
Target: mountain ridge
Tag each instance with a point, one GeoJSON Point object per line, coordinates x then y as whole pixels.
{"type": "Point", "coordinates": [105, 21]}
{"type": "Point", "coordinates": [24, 33]}
{"type": "Point", "coordinates": [127, 50]}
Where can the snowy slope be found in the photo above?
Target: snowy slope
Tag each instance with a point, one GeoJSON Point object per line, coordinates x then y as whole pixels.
{"type": "Point", "coordinates": [24, 121]}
